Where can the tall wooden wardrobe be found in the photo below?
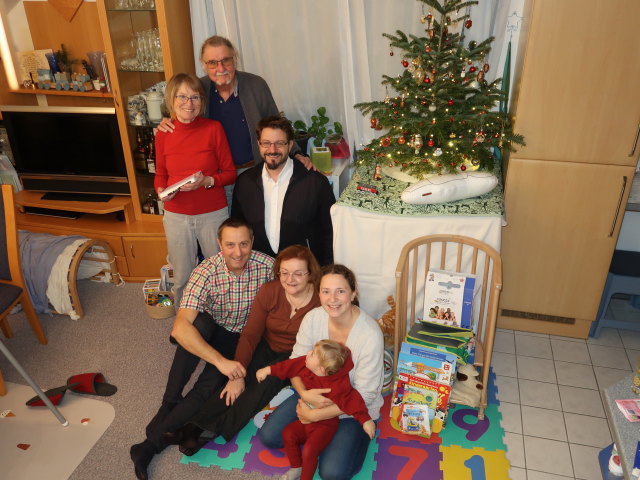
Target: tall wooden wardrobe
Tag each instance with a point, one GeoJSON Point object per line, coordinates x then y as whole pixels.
{"type": "Point", "coordinates": [578, 107]}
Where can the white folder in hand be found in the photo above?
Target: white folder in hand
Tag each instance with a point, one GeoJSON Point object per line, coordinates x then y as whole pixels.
{"type": "Point", "coordinates": [176, 186]}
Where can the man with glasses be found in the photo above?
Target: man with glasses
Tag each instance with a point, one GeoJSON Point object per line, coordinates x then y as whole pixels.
{"type": "Point", "coordinates": [284, 203]}
{"type": "Point", "coordinates": [238, 100]}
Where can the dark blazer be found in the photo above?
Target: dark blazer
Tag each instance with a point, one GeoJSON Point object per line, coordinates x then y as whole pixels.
{"type": "Point", "coordinates": [305, 216]}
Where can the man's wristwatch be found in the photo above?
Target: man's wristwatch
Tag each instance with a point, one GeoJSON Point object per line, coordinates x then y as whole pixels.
{"type": "Point", "coordinates": [209, 186]}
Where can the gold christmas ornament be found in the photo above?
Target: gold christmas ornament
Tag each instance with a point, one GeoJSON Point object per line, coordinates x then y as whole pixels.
{"type": "Point", "coordinates": [418, 75]}
{"type": "Point", "coordinates": [417, 143]}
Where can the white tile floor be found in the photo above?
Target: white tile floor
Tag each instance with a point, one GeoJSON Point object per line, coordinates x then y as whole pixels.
{"type": "Point", "coordinates": [549, 391]}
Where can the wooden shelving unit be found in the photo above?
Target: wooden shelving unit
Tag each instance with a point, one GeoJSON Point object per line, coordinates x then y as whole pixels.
{"type": "Point", "coordinates": [64, 93]}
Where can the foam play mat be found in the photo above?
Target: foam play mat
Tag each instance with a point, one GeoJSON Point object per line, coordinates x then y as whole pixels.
{"type": "Point", "coordinates": [467, 449]}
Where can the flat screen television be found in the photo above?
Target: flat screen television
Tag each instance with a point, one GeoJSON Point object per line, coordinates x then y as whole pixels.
{"type": "Point", "coordinates": [67, 149]}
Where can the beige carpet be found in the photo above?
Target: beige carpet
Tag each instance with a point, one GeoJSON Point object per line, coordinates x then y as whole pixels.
{"type": "Point", "coordinates": [33, 443]}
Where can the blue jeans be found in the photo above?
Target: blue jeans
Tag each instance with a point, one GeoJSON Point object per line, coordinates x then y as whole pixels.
{"type": "Point", "coordinates": [184, 233]}
{"type": "Point", "coordinates": [344, 456]}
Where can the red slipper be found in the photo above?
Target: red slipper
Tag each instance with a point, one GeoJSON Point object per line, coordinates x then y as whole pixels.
{"type": "Point", "coordinates": [92, 384]}
{"type": "Point", "coordinates": [53, 394]}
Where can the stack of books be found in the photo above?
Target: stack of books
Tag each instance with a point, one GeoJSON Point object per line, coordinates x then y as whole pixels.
{"type": "Point", "coordinates": [428, 359]}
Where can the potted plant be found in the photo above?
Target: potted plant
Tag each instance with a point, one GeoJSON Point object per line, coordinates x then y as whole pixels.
{"type": "Point", "coordinates": [321, 132]}
{"type": "Point", "coordinates": [318, 128]}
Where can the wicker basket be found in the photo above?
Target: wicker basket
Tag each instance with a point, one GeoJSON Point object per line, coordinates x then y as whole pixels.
{"type": "Point", "coordinates": [157, 310]}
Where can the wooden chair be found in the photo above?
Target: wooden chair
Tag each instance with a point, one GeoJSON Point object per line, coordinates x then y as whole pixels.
{"type": "Point", "coordinates": [12, 288]}
{"type": "Point", "coordinates": [453, 253]}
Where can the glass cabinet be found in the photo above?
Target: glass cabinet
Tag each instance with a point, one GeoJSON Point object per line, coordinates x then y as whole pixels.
{"type": "Point", "coordinates": [147, 41]}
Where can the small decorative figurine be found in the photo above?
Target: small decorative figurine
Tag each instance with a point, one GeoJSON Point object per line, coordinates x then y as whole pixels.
{"type": "Point", "coordinates": [377, 174]}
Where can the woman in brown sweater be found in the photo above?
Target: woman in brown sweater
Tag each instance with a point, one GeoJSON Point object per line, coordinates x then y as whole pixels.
{"type": "Point", "coordinates": [268, 337]}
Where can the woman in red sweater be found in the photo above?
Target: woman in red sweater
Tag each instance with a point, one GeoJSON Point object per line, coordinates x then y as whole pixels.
{"type": "Point", "coordinates": [269, 336]}
{"type": "Point", "coordinates": [199, 146]}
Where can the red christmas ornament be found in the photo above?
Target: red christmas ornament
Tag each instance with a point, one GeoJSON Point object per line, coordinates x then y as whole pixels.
{"type": "Point", "coordinates": [472, 69]}
{"type": "Point", "coordinates": [374, 122]}
{"type": "Point", "coordinates": [402, 140]}
{"type": "Point", "coordinates": [438, 165]}
{"type": "Point", "coordinates": [395, 112]}
{"type": "Point", "coordinates": [366, 149]}
{"type": "Point", "coordinates": [496, 135]}
{"type": "Point", "coordinates": [433, 70]}
{"type": "Point", "coordinates": [405, 64]}
{"type": "Point", "coordinates": [433, 121]}
{"type": "Point", "coordinates": [431, 143]}
{"type": "Point", "coordinates": [427, 49]}
{"type": "Point", "coordinates": [463, 167]}
{"type": "Point", "coordinates": [449, 102]}
{"type": "Point", "coordinates": [391, 53]}
{"type": "Point", "coordinates": [424, 160]}
{"type": "Point", "coordinates": [427, 80]}
{"type": "Point", "coordinates": [385, 142]}
{"type": "Point", "coordinates": [468, 23]}
{"type": "Point", "coordinates": [453, 164]}
{"type": "Point", "coordinates": [451, 119]}
{"type": "Point", "coordinates": [379, 126]}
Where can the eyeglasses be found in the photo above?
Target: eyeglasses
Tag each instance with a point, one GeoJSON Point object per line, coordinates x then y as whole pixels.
{"type": "Point", "coordinates": [226, 62]}
{"type": "Point", "coordinates": [185, 98]}
{"type": "Point", "coordinates": [278, 144]}
{"type": "Point", "coordinates": [297, 274]}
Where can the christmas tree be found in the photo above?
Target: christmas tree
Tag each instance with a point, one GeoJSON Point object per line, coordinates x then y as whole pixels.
{"type": "Point", "coordinates": [442, 117]}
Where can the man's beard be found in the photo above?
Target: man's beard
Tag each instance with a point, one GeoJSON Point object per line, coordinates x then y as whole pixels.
{"type": "Point", "coordinates": [223, 79]}
{"type": "Point", "coordinates": [276, 165]}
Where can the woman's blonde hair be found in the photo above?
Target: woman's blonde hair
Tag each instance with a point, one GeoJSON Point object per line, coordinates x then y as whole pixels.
{"type": "Point", "coordinates": [174, 85]}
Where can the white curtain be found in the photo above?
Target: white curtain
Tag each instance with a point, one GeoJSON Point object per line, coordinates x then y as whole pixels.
{"type": "Point", "coordinates": [332, 53]}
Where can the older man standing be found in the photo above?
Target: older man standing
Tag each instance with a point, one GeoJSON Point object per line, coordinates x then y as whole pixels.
{"type": "Point", "coordinates": [238, 100]}
{"type": "Point", "coordinates": [214, 309]}
{"type": "Point", "coordinates": [283, 202]}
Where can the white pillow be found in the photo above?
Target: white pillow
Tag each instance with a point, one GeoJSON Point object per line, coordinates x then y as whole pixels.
{"type": "Point", "coordinates": [449, 188]}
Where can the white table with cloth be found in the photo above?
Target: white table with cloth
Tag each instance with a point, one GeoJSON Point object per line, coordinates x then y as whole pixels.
{"type": "Point", "coordinates": [370, 230]}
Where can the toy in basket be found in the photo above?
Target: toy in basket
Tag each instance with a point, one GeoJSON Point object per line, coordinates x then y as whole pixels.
{"type": "Point", "coordinates": [160, 304]}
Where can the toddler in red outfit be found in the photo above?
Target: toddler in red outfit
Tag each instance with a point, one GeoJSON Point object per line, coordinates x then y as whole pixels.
{"type": "Point", "coordinates": [326, 366]}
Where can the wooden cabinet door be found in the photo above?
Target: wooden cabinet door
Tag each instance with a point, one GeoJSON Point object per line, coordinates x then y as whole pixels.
{"type": "Point", "coordinates": [145, 256]}
{"type": "Point", "coordinates": [563, 221]}
{"type": "Point", "coordinates": [579, 98]}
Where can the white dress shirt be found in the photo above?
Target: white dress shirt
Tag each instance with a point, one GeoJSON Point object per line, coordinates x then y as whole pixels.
{"type": "Point", "coordinates": [273, 199]}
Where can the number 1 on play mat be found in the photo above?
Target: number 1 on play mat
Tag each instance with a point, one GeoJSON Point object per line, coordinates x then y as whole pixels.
{"type": "Point", "coordinates": [476, 465]}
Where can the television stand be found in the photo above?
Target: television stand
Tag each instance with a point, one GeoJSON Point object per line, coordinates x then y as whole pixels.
{"type": "Point", "coordinates": [47, 212]}
{"type": "Point", "coordinates": [76, 197]}
{"type": "Point", "coordinates": [28, 198]}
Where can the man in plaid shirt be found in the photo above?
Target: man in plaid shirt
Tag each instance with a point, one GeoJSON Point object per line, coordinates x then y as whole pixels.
{"type": "Point", "coordinates": [213, 311]}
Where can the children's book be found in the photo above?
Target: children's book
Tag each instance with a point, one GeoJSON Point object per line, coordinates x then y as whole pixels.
{"type": "Point", "coordinates": [419, 335]}
{"type": "Point", "coordinates": [426, 363]}
{"type": "Point", "coordinates": [412, 390]}
{"type": "Point", "coordinates": [415, 420]}
{"type": "Point", "coordinates": [630, 409]}
{"type": "Point", "coordinates": [448, 298]}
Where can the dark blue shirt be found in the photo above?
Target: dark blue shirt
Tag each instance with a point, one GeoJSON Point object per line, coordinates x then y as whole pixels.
{"type": "Point", "coordinates": [231, 116]}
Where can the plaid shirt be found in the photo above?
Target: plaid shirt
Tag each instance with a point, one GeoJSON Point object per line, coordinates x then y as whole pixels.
{"type": "Point", "coordinates": [213, 289]}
